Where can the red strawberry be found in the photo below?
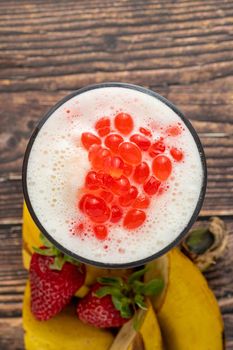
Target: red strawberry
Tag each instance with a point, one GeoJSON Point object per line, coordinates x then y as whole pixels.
{"type": "Point", "coordinates": [52, 290]}
{"type": "Point", "coordinates": [114, 300]}
{"type": "Point", "coordinates": [99, 312]}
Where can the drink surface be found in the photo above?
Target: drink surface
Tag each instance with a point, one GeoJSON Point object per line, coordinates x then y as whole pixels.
{"type": "Point", "coordinates": [58, 164]}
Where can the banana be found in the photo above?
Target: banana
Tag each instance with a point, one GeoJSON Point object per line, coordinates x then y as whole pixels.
{"type": "Point", "coordinates": [63, 332]}
{"type": "Point", "coordinates": [148, 336]}
{"type": "Point", "coordinates": [187, 311]}
{"type": "Point", "coordinates": [31, 236]}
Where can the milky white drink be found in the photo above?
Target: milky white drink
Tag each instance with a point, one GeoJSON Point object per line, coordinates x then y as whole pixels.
{"type": "Point", "coordinates": [58, 164]}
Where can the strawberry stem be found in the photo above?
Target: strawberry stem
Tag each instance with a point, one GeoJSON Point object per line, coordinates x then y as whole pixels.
{"type": "Point", "coordinates": [45, 241]}
{"type": "Point", "coordinates": [137, 275]}
{"type": "Point", "coordinates": [111, 281]}
{"type": "Point", "coordinates": [129, 295]}
{"type": "Point", "coordinates": [60, 258]}
{"type": "Point", "coordinates": [199, 240]}
{"type": "Point", "coordinates": [139, 301]}
{"type": "Point", "coordinates": [46, 252]}
{"type": "Point", "coordinates": [101, 292]}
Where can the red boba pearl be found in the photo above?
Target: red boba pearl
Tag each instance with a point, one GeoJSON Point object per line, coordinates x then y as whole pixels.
{"type": "Point", "coordinates": [128, 198]}
{"type": "Point", "coordinates": [151, 186]}
{"type": "Point", "coordinates": [92, 181]}
{"type": "Point", "coordinates": [130, 153]}
{"type": "Point", "coordinates": [99, 157]}
{"type": "Point", "coordinates": [162, 167]}
{"type": "Point", "coordinates": [124, 123]}
{"type": "Point", "coordinates": [116, 214]}
{"type": "Point", "coordinates": [127, 170]}
{"type": "Point", "coordinates": [156, 148]}
{"type": "Point", "coordinates": [96, 208]}
{"type": "Point", "coordinates": [145, 131]}
{"type": "Point", "coordinates": [134, 219]}
{"type": "Point", "coordinates": [176, 154]}
{"type": "Point", "coordinates": [113, 141]}
{"type": "Point", "coordinates": [120, 186]}
{"type": "Point", "coordinates": [141, 202]}
{"type": "Point", "coordinates": [101, 232]}
{"type": "Point", "coordinates": [88, 139]}
{"type": "Point", "coordinates": [141, 173]}
{"type": "Point", "coordinates": [141, 141]}
{"type": "Point", "coordinates": [103, 126]}
{"type": "Point", "coordinates": [114, 166]}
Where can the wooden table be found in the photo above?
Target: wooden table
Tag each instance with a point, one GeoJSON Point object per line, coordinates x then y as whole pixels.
{"type": "Point", "coordinates": [181, 49]}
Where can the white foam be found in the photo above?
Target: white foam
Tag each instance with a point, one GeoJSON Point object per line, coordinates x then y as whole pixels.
{"type": "Point", "coordinates": [58, 164]}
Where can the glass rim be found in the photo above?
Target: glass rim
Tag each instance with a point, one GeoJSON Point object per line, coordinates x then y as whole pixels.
{"type": "Point", "coordinates": [192, 219]}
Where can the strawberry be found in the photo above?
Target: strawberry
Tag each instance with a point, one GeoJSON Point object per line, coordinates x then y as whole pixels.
{"type": "Point", "coordinates": [112, 301]}
{"type": "Point", "coordinates": [54, 280]}
{"type": "Point", "coordinates": [99, 312]}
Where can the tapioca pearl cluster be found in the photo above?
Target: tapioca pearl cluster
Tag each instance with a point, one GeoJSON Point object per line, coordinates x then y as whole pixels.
{"type": "Point", "coordinates": [120, 182]}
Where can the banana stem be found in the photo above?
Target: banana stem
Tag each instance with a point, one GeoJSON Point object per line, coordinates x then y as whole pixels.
{"type": "Point", "coordinates": [206, 244]}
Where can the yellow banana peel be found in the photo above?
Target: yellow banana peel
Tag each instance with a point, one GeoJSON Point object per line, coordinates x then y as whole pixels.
{"type": "Point", "coordinates": [148, 336]}
{"type": "Point", "coordinates": [63, 332]}
{"type": "Point", "coordinates": [31, 236]}
{"type": "Point", "coordinates": [187, 311]}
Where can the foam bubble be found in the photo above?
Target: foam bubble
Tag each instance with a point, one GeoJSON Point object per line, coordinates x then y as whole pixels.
{"type": "Point", "coordinates": [58, 164]}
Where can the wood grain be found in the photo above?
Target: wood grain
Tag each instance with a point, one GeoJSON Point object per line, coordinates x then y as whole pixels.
{"type": "Point", "coordinates": [181, 49]}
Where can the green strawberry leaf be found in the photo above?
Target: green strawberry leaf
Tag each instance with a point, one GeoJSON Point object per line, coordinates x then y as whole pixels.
{"type": "Point", "coordinates": [71, 260]}
{"type": "Point", "coordinates": [111, 281]}
{"type": "Point", "coordinates": [153, 287]}
{"type": "Point", "coordinates": [108, 290]}
{"type": "Point", "coordinates": [58, 263]}
{"type": "Point", "coordinates": [50, 250]}
{"type": "Point", "coordinates": [126, 311]}
{"type": "Point", "coordinates": [139, 301]}
{"type": "Point", "coordinates": [46, 252]}
{"type": "Point", "coordinates": [138, 287]}
{"type": "Point", "coordinates": [117, 302]}
{"type": "Point", "coordinates": [122, 305]}
{"type": "Point", "coordinates": [126, 308]}
{"type": "Point", "coordinates": [137, 275]}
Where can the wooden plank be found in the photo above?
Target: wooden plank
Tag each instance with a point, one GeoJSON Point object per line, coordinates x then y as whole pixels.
{"type": "Point", "coordinates": [193, 44]}
{"type": "Point", "coordinates": [11, 333]}
{"type": "Point", "coordinates": [182, 50]}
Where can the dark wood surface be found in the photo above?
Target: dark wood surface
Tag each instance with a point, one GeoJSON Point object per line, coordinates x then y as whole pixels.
{"type": "Point", "coordinates": [181, 49]}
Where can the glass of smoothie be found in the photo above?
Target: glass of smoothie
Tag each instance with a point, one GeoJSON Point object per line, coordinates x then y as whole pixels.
{"type": "Point", "coordinates": [114, 175]}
